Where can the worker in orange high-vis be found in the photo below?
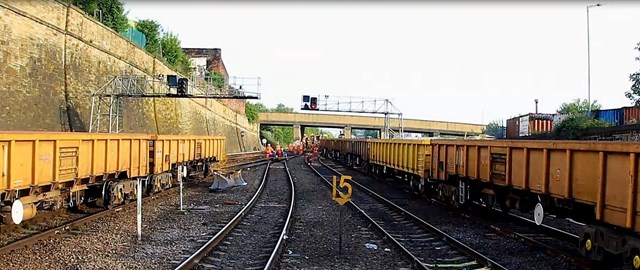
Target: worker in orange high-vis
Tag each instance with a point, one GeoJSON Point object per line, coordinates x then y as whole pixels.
{"type": "Point", "coordinates": [299, 149]}
{"type": "Point", "coordinates": [290, 148]}
{"type": "Point", "coordinates": [269, 150]}
{"type": "Point", "coordinates": [278, 150]}
{"type": "Point", "coordinates": [315, 151]}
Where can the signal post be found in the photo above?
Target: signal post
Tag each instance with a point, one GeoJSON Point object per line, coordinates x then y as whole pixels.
{"type": "Point", "coordinates": [341, 198]}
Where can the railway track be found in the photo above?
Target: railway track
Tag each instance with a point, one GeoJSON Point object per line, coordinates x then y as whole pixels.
{"type": "Point", "coordinates": [71, 226]}
{"type": "Point", "coordinates": [253, 238]}
{"type": "Point", "coordinates": [546, 238]}
{"type": "Point", "coordinates": [14, 237]}
{"type": "Point", "coordinates": [549, 239]}
{"type": "Point", "coordinates": [245, 158]}
{"type": "Point", "coordinates": [424, 244]}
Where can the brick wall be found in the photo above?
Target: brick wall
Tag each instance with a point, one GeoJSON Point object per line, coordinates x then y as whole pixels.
{"type": "Point", "coordinates": [215, 63]}
{"type": "Point", "coordinates": [53, 56]}
{"type": "Point", "coordinates": [235, 104]}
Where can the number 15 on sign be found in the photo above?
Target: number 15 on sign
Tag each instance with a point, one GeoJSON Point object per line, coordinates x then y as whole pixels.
{"type": "Point", "coordinates": [338, 196]}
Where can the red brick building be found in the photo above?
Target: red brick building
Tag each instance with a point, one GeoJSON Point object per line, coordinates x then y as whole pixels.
{"type": "Point", "coordinates": [210, 60]}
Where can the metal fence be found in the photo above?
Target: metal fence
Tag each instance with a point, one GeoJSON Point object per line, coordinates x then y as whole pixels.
{"type": "Point", "coordinates": [135, 36]}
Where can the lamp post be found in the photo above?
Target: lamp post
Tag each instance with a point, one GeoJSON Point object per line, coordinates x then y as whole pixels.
{"type": "Point", "coordinates": [536, 101]}
{"type": "Point", "coordinates": [589, 58]}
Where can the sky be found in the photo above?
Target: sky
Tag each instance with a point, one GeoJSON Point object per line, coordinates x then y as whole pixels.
{"type": "Point", "coordinates": [457, 61]}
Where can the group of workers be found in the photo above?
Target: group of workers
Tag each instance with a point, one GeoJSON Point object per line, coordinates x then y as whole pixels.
{"type": "Point", "coordinates": [296, 149]}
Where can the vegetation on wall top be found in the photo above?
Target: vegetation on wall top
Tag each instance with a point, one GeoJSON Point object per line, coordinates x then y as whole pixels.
{"type": "Point", "coordinates": [109, 12]}
{"type": "Point", "coordinates": [164, 45]}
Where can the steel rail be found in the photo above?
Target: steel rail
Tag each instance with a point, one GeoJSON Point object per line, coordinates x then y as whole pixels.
{"type": "Point", "coordinates": [276, 251]}
{"type": "Point", "coordinates": [448, 238]}
{"type": "Point", "coordinates": [29, 240]}
{"type": "Point", "coordinates": [413, 258]}
{"type": "Point", "coordinates": [202, 252]}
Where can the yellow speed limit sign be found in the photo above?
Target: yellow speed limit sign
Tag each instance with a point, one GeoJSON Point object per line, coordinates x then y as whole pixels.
{"type": "Point", "coordinates": [339, 196]}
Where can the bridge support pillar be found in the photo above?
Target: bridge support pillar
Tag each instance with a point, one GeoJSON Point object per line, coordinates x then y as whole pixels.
{"type": "Point", "coordinates": [383, 134]}
{"type": "Point", "coordinates": [297, 132]}
{"type": "Point", "coordinates": [347, 132]}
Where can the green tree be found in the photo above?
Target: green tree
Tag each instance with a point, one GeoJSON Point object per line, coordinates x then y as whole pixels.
{"type": "Point", "coordinates": [364, 133]}
{"type": "Point", "coordinates": [282, 108]}
{"type": "Point", "coordinates": [494, 128]}
{"type": "Point", "coordinates": [253, 110]}
{"type": "Point", "coordinates": [634, 93]}
{"type": "Point", "coordinates": [317, 131]}
{"type": "Point", "coordinates": [574, 126]}
{"type": "Point", "coordinates": [216, 78]}
{"type": "Point", "coordinates": [578, 121]}
{"type": "Point", "coordinates": [152, 31]}
{"type": "Point", "coordinates": [578, 106]}
{"type": "Point", "coordinates": [113, 15]}
{"type": "Point", "coordinates": [374, 134]}
{"type": "Point", "coordinates": [174, 55]}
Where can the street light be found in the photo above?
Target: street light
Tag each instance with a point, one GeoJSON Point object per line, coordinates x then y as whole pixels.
{"type": "Point", "coordinates": [589, 58]}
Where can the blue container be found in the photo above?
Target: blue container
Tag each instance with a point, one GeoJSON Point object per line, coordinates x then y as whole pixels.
{"type": "Point", "coordinates": [613, 116]}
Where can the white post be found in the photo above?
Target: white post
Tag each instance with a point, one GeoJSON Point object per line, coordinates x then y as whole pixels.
{"type": "Point", "coordinates": [180, 172]}
{"type": "Point", "coordinates": [139, 209]}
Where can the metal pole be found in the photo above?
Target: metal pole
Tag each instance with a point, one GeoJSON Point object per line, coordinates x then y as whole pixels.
{"type": "Point", "coordinates": [93, 102]}
{"type": "Point", "coordinates": [340, 230]}
{"type": "Point", "coordinates": [110, 111]}
{"type": "Point", "coordinates": [180, 181]}
{"type": "Point", "coordinates": [588, 64]}
{"type": "Point", "coordinates": [589, 58]}
{"type": "Point", "coordinates": [139, 209]}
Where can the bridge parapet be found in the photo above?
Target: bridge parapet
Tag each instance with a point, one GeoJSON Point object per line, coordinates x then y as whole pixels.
{"type": "Point", "coordinates": [366, 122]}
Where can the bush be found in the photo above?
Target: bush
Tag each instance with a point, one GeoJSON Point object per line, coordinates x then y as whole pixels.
{"type": "Point", "coordinates": [574, 126]}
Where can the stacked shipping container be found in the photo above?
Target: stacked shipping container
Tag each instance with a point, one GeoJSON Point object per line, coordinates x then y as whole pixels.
{"type": "Point", "coordinates": [529, 124]}
{"type": "Point", "coordinates": [631, 115]}
{"type": "Point", "coordinates": [612, 116]}
{"type": "Point", "coordinates": [536, 123]}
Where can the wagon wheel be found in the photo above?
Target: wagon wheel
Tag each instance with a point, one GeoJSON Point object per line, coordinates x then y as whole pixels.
{"type": "Point", "coordinates": [634, 260]}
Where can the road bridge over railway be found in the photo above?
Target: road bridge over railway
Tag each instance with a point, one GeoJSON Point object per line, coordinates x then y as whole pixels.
{"type": "Point", "coordinates": [347, 122]}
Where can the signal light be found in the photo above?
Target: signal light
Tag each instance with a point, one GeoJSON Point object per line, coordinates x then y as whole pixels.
{"type": "Point", "coordinates": [305, 103]}
{"type": "Point", "coordinates": [183, 85]}
{"type": "Point", "coordinates": [314, 103]}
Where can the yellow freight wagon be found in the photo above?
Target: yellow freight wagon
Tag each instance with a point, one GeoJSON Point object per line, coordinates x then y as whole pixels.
{"type": "Point", "coordinates": [408, 159]}
{"type": "Point", "coordinates": [586, 180]}
{"type": "Point", "coordinates": [349, 151]}
{"type": "Point", "coordinates": [51, 167]}
{"type": "Point", "coordinates": [170, 150]}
